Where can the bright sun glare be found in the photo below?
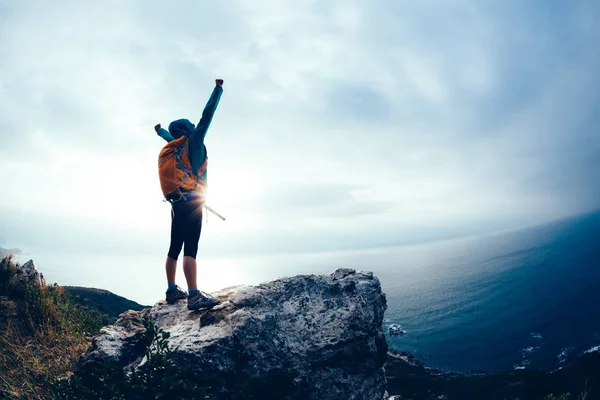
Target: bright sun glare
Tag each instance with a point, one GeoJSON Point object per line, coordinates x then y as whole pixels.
{"type": "Point", "coordinates": [232, 196]}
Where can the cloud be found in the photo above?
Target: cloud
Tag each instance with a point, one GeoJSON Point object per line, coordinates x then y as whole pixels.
{"type": "Point", "coordinates": [383, 120]}
{"type": "Point", "coordinates": [358, 102]}
{"type": "Point", "coordinates": [314, 200]}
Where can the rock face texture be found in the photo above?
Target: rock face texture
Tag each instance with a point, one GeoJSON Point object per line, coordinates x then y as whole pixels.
{"type": "Point", "coordinates": [305, 337]}
{"type": "Point", "coordinates": [28, 272]}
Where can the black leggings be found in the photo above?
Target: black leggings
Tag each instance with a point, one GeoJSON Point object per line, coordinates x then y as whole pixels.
{"type": "Point", "coordinates": [186, 224]}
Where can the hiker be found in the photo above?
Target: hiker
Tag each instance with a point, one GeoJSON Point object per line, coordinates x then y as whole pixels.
{"type": "Point", "coordinates": [182, 168]}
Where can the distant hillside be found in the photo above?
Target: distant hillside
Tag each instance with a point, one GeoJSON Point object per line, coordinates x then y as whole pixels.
{"type": "Point", "coordinates": [6, 252]}
{"type": "Point", "coordinates": [106, 305]}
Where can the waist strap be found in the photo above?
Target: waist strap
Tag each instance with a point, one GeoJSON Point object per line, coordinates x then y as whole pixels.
{"type": "Point", "coordinates": [182, 195]}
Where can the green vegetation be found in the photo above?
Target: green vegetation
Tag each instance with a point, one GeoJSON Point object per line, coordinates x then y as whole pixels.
{"type": "Point", "coordinates": [157, 378]}
{"type": "Point", "coordinates": [42, 334]}
{"type": "Point", "coordinates": [567, 396]}
{"type": "Point", "coordinates": [102, 304]}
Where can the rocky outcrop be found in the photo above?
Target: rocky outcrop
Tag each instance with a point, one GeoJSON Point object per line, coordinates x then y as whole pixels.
{"type": "Point", "coordinates": [124, 343]}
{"type": "Point", "coordinates": [304, 337]}
{"type": "Point", "coordinates": [29, 273]}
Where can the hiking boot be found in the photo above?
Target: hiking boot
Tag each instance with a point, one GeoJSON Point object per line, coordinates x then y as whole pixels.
{"type": "Point", "coordinates": [175, 294]}
{"type": "Point", "coordinates": [201, 300]}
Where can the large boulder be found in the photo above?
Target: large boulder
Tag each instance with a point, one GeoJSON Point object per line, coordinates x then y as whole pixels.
{"type": "Point", "coordinates": [304, 337]}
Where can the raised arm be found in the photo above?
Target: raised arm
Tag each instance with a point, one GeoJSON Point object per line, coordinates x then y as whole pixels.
{"type": "Point", "coordinates": [197, 149]}
{"type": "Point", "coordinates": [163, 133]}
{"type": "Point", "coordinates": [209, 111]}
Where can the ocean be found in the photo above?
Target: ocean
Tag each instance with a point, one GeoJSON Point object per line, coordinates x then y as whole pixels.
{"type": "Point", "coordinates": [524, 299]}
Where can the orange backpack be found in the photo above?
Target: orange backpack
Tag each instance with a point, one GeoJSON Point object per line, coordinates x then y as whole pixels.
{"type": "Point", "coordinates": [175, 170]}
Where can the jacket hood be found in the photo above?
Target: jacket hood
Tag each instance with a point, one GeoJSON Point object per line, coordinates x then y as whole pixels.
{"type": "Point", "coordinates": [181, 127]}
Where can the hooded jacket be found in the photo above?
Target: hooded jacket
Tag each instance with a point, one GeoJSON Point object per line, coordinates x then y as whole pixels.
{"type": "Point", "coordinates": [183, 127]}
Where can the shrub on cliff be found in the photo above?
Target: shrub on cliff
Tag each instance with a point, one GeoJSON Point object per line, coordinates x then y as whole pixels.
{"type": "Point", "coordinates": [157, 378]}
{"type": "Point", "coordinates": [41, 337]}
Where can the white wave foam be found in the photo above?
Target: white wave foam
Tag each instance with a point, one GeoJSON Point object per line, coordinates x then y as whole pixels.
{"type": "Point", "coordinates": [565, 353]}
{"type": "Point", "coordinates": [530, 349]}
{"type": "Point", "coordinates": [592, 349]}
{"type": "Point", "coordinates": [536, 335]}
{"type": "Point", "coordinates": [524, 364]}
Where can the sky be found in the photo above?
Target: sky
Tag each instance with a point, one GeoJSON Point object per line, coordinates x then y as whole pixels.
{"type": "Point", "coordinates": [343, 125]}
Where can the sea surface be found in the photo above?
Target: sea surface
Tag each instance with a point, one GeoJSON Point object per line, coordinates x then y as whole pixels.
{"type": "Point", "coordinates": [524, 299]}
